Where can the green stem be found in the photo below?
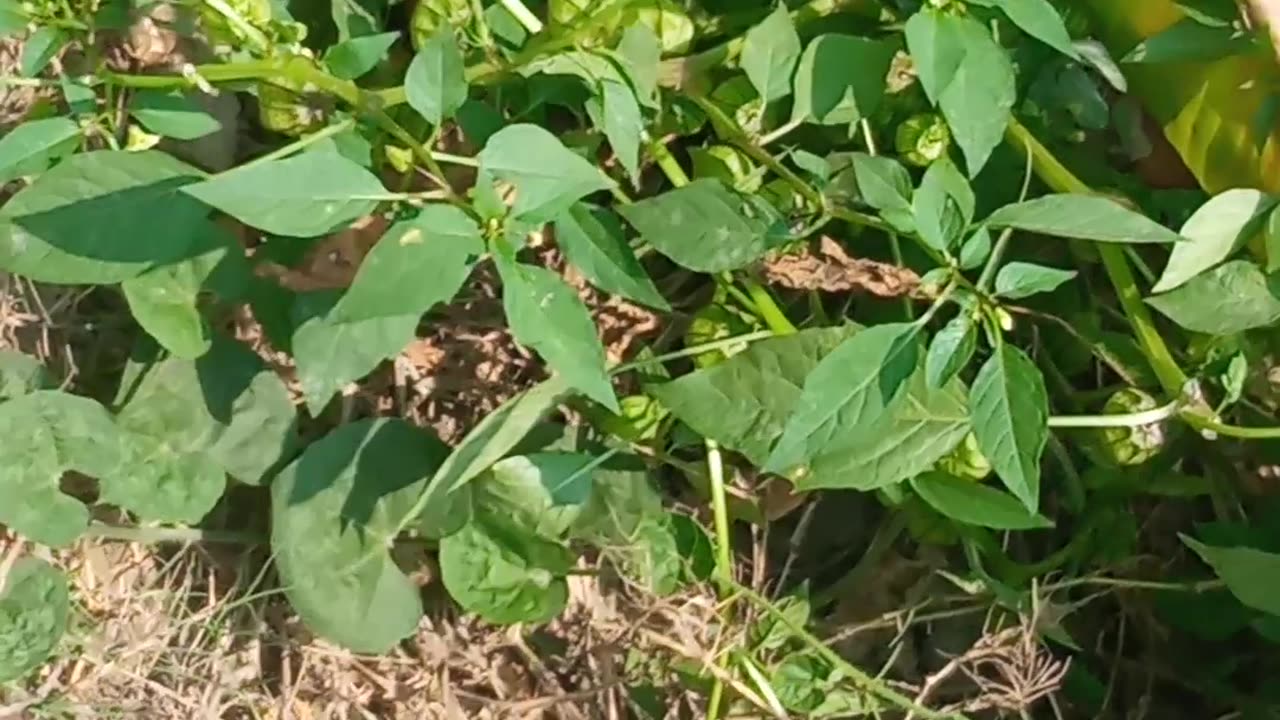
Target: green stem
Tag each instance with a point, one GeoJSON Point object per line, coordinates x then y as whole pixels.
{"type": "Point", "coordinates": [153, 535]}
{"type": "Point", "coordinates": [523, 15]}
{"type": "Point", "coordinates": [1204, 424]}
{"type": "Point", "coordinates": [694, 350]}
{"type": "Point", "coordinates": [1136, 419]}
{"type": "Point", "coordinates": [301, 143]}
{"type": "Point", "coordinates": [770, 313]}
{"type": "Point", "coordinates": [724, 551]}
{"type": "Point", "coordinates": [1060, 179]}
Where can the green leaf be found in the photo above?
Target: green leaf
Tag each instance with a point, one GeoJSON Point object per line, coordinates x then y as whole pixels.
{"type": "Point", "coordinates": [30, 145]}
{"type": "Point", "coordinates": [48, 433]}
{"type": "Point", "coordinates": [625, 518]}
{"type": "Point", "coordinates": [436, 82]}
{"type": "Point", "coordinates": [922, 426]}
{"type": "Point", "coordinates": [164, 300]}
{"type": "Point", "coordinates": [975, 251]}
{"type": "Point", "coordinates": [617, 114]}
{"type": "Point", "coordinates": [1083, 217]}
{"type": "Point", "coordinates": [21, 374]}
{"type": "Point", "coordinates": [826, 93]}
{"type": "Point", "coordinates": [1231, 298]}
{"type": "Point", "coordinates": [303, 196]}
{"type": "Point", "coordinates": [415, 265]}
{"type": "Point", "coordinates": [331, 352]}
{"type": "Point", "coordinates": [935, 40]}
{"type": "Point", "coordinates": [335, 513]}
{"type": "Point", "coordinates": [1188, 41]}
{"type": "Point", "coordinates": [707, 227]}
{"type": "Point", "coordinates": [973, 503]}
{"type": "Point", "coordinates": [1011, 420]}
{"type": "Point", "coordinates": [1250, 574]}
{"type": "Point", "coordinates": [66, 226]}
{"type": "Point", "coordinates": [490, 440]}
{"type": "Point", "coordinates": [547, 315]}
{"type": "Point", "coordinates": [769, 54]}
{"type": "Point", "coordinates": [886, 186]}
{"type": "Point", "coordinates": [352, 58]}
{"type": "Point", "coordinates": [13, 20]}
{"type": "Point", "coordinates": [1215, 231]}
{"type": "Point", "coordinates": [33, 616]}
{"type": "Point", "coordinates": [172, 114]}
{"type": "Point", "coordinates": [505, 575]}
{"type": "Point", "coordinates": [640, 52]}
{"type": "Point", "coordinates": [943, 206]}
{"type": "Point", "coordinates": [951, 350]}
{"type": "Point", "coordinates": [1272, 240]}
{"type": "Point", "coordinates": [1017, 280]}
{"type": "Point", "coordinates": [39, 49]}
{"type": "Point", "coordinates": [744, 402]}
{"type": "Point", "coordinates": [594, 242]}
{"type": "Point", "coordinates": [541, 493]}
{"type": "Point", "coordinates": [978, 101]}
{"type": "Point", "coordinates": [1039, 19]}
{"type": "Point", "coordinates": [549, 177]}
{"type": "Point", "coordinates": [848, 392]}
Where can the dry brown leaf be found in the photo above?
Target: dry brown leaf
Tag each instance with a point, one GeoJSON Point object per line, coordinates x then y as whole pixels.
{"type": "Point", "coordinates": [828, 267]}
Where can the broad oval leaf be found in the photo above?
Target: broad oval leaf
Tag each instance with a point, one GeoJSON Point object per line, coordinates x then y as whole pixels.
{"type": "Point", "coordinates": [935, 40]}
{"type": "Point", "coordinates": [335, 512]}
{"type": "Point", "coordinates": [66, 226]}
{"type": "Point", "coordinates": [1216, 230]}
{"type": "Point", "coordinates": [505, 575]}
{"type": "Point", "coordinates": [1231, 298]}
{"type": "Point", "coordinates": [1039, 19]}
{"type": "Point", "coordinates": [356, 56]}
{"type": "Point", "coordinates": [48, 433]}
{"type": "Point", "coordinates": [848, 392]}
{"type": "Point", "coordinates": [1084, 217]}
{"type": "Point", "coordinates": [744, 402]}
{"type": "Point", "coordinates": [943, 206]}
{"type": "Point", "coordinates": [593, 241]}
{"type": "Point", "coordinates": [172, 114]}
{"type": "Point", "coordinates": [1189, 41]}
{"type": "Point", "coordinates": [827, 93]}
{"type": "Point", "coordinates": [1010, 409]}
{"type": "Point", "coordinates": [707, 227]}
{"type": "Point", "coordinates": [769, 54]}
{"type": "Point", "coordinates": [548, 177]}
{"type": "Point", "coordinates": [436, 84]}
{"type": "Point", "coordinates": [33, 616]}
{"type": "Point", "coordinates": [303, 196]}
{"type": "Point", "coordinates": [1017, 280]}
{"type": "Point", "coordinates": [31, 143]}
{"type": "Point", "coordinates": [415, 265]}
{"type": "Point", "coordinates": [542, 493]}
{"type": "Point", "coordinates": [978, 101]}
{"type": "Point", "coordinates": [973, 503]}
{"type": "Point", "coordinates": [548, 316]}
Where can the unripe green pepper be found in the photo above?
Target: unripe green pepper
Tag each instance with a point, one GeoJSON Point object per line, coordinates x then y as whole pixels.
{"type": "Point", "coordinates": [288, 113]}
{"type": "Point", "coordinates": [966, 461]}
{"type": "Point", "coordinates": [428, 15]}
{"type": "Point", "coordinates": [922, 139]}
{"type": "Point", "coordinates": [1131, 445]}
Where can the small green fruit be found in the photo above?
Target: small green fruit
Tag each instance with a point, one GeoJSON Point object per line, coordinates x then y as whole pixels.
{"type": "Point", "coordinates": [711, 323]}
{"type": "Point", "coordinates": [1131, 445]}
{"type": "Point", "coordinates": [430, 14]}
{"type": "Point", "coordinates": [288, 113]}
{"type": "Point", "coordinates": [922, 139]}
{"type": "Point", "coordinates": [674, 27]}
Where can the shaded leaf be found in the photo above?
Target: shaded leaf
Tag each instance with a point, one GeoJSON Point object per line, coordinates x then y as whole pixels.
{"type": "Point", "coordinates": [827, 93]}
{"type": "Point", "coordinates": [39, 48]}
{"type": "Point", "coordinates": [744, 402]}
{"type": "Point", "coordinates": [951, 350]}
{"type": "Point", "coordinates": [1231, 298]}
{"type": "Point", "coordinates": [1039, 19]}
{"type": "Point", "coordinates": [943, 206]}
{"type": "Point", "coordinates": [303, 196]}
{"type": "Point", "coordinates": [172, 114]}
{"type": "Point", "coordinates": [66, 226]}
{"type": "Point", "coordinates": [505, 575]}
{"type": "Point", "coordinates": [1215, 231]}
{"type": "Point", "coordinates": [594, 242]}
{"type": "Point", "coordinates": [547, 315]}
{"type": "Point", "coordinates": [33, 616]}
{"type": "Point", "coordinates": [335, 512]}
{"type": "Point", "coordinates": [1011, 420]}
{"type": "Point", "coordinates": [356, 56]}
{"type": "Point", "coordinates": [973, 503]}
{"type": "Point", "coordinates": [625, 518]}
{"type": "Point", "coordinates": [769, 54]}
{"type": "Point", "coordinates": [542, 493]}
{"type": "Point", "coordinates": [21, 374]}
{"type": "Point", "coordinates": [1190, 41]}
{"type": "Point", "coordinates": [436, 83]}
{"type": "Point", "coordinates": [548, 177]}
{"type": "Point", "coordinates": [617, 114]}
{"type": "Point", "coordinates": [885, 185]}
{"type": "Point", "coordinates": [707, 227]}
{"type": "Point", "coordinates": [1084, 217]}
{"type": "Point", "coordinates": [1252, 575]}
{"type": "Point", "coordinates": [848, 392]}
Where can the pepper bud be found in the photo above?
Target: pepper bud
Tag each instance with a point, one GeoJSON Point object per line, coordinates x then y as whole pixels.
{"type": "Point", "coordinates": [966, 461]}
